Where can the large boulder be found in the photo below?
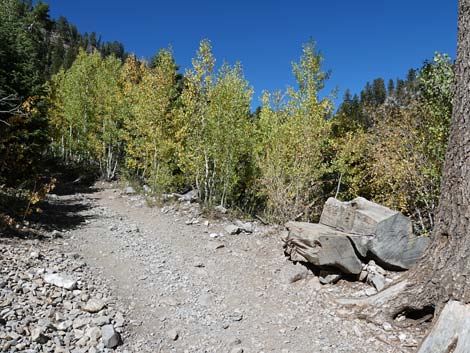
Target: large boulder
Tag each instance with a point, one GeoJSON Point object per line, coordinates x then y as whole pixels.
{"type": "Point", "coordinates": [352, 231]}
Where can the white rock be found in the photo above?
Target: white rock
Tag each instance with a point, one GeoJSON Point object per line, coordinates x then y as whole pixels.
{"type": "Point", "coordinates": [221, 209]}
{"type": "Point", "coordinates": [60, 280]}
{"type": "Point", "coordinates": [232, 229]}
{"type": "Point", "coordinates": [377, 280]}
{"type": "Point", "coordinates": [94, 333]}
{"type": "Point", "coordinates": [94, 305]}
{"type": "Point", "coordinates": [129, 190]}
{"type": "Point", "coordinates": [172, 334]}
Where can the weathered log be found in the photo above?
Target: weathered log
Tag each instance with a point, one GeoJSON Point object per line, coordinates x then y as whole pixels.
{"type": "Point", "coordinates": [321, 246]}
{"type": "Point", "coordinates": [377, 231]}
{"type": "Point", "coordinates": [451, 331]}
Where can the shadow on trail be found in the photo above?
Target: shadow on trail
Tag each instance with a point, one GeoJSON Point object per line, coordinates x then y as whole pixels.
{"type": "Point", "coordinates": [61, 211]}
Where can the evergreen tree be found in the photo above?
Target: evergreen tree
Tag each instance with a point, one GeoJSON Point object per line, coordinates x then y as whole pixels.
{"type": "Point", "coordinates": [379, 91]}
{"type": "Point", "coordinates": [57, 56]}
{"type": "Point", "coordinates": [391, 88]}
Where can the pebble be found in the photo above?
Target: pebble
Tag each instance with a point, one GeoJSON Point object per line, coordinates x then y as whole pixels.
{"type": "Point", "coordinates": [94, 306]}
{"type": "Point", "coordinates": [40, 303]}
{"type": "Point", "coordinates": [111, 338]}
{"type": "Point", "coordinates": [173, 334]}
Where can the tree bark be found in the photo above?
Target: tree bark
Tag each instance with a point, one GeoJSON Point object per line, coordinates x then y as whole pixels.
{"type": "Point", "coordinates": [443, 273]}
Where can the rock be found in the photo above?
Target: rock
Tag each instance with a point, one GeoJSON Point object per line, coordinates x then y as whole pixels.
{"type": "Point", "coordinates": [322, 246]}
{"type": "Point", "coordinates": [63, 325]}
{"type": "Point", "coordinates": [377, 280]}
{"type": "Point", "coordinates": [291, 273]}
{"type": "Point", "coordinates": [221, 209]}
{"type": "Point", "coordinates": [101, 320]}
{"type": "Point", "coordinates": [387, 326]}
{"type": "Point", "coordinates": [129, 190]}
{"type": "Point", "coordinates": [235, 316]}
{"type": "Point", "coordinates": [329, 278]}
{"type": "Point", "coordinates": [111, 338]}
{"type": "Point", "coordinates": [314, 284]}
{"type": "Point", "coordinates": [245, 226]}
{"type": "Point", "coordinates": [215, 246]}
{"type": "Point", "coordinates": [232, 229]}
{"type": "Point", "coordinates": [189, 196]}
{"type": "Point", "coordinates": [370, 291]}
{"type": "Point", "coordinates": [83, 341]}
{"type": "Point", "coordinates": [94, 333]}
{"type": "Point", "coordinates": [34, 255]}
{"type": "Point", "coordinates": [119, 320]}
{"type": "Point", "coordinates": [55, 234]}
{"type": "Point", "coordinates": [60, 280]}
{"type": "Point", "coordinates": [80, 322]}
{"type": "Point", "coordinates": [147, 189]}
{"type": "Point", "coordinates": [94, 305]}
{"type": "Point", "coordinates": [38, 336]}
{"type": "Point", "coordinates": [363, 276]}
{"type": "Point", "coordinates": [172, 334]}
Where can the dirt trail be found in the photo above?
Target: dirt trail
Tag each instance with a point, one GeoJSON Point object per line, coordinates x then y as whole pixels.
{"type": "Point", "coordinates": [184, 291]}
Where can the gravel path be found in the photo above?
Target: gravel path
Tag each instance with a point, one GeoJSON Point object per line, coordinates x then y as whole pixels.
{"type": "Point", "coordinates": [185, 291]}
{"type": "Point", "coordinates": [175, 281]}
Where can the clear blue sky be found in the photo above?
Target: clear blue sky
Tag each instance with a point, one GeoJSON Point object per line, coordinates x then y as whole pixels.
{"type": "Point", "coordinates": [360, 40]}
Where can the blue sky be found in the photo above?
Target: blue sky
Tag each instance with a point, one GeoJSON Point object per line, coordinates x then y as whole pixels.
{"type": "Point", "coordinates": [360, 40]}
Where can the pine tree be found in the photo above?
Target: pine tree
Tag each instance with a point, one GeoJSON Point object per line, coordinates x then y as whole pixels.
{"type": "Point", "coordinates": [378, 90]}
{"type": "Point", "coordinates": [391, 88]}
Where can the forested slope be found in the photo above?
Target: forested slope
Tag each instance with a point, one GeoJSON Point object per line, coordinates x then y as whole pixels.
{"type": "Point", "coordinates": [69, 97]}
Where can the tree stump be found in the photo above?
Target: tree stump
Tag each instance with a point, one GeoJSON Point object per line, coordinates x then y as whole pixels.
{"type": "Point", "coordinates": [321, 246]}
{"type": "Point", "coordinates": [349, 232]}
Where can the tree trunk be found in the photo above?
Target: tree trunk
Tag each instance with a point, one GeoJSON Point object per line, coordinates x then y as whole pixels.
{"type": "Point", "coordinates": [443, 273]}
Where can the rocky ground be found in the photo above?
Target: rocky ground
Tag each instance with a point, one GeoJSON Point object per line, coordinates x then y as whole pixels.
{"type": "Point", "coordinates": [134, 278]}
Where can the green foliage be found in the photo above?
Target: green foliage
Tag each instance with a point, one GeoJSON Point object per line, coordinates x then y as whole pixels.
{"type": "Point", "coordinates": [215, 110]}
{"type": "Point", "coordinates": [397, 160]}
{"type": "Point", "coordinates": [293, 137]}
{"type": "Point", "coordinates": [152, 129]}
{"type": "Point", "coordinates": [86, 112]}
{"type": "Point", "coordinates": [110, 111]}
{"type": "Point", "coordinates": [23, 126]}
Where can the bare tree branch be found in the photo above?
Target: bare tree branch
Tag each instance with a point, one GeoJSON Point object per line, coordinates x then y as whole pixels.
{"type": "Point", "coordinates": [11, 102]}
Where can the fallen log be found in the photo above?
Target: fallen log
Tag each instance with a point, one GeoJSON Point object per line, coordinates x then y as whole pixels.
{"type": "Point", "coordinates": [378, 232]}
{"type": "Point", "coordinates": [321, 246]}
{"type": "Point", "coordinates": [352, 232]}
